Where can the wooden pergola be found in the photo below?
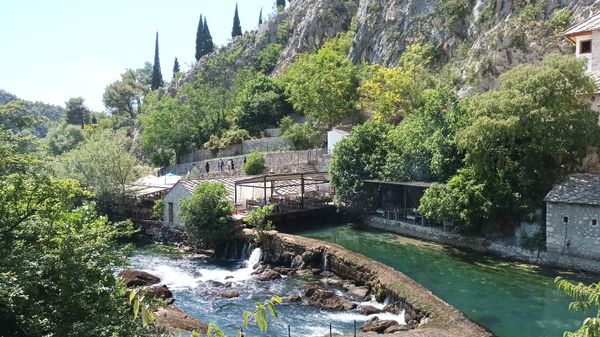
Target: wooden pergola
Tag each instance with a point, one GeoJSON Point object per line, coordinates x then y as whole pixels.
{"type": "Point", "coordinates": [270, 181]}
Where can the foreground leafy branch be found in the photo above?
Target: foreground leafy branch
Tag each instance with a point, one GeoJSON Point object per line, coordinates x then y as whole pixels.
{"type": "Point", "coordinates": [585, 297]}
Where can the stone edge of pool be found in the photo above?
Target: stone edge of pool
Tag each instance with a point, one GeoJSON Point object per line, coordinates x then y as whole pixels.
{"type": "Point", "coordinates": [442, 319]}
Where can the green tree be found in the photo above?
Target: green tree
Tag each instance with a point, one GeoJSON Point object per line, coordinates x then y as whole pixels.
{"type": "Point", "coordinates": [360, 156]}
{"type": "Point", "coordinates": [207, 42]}
{"type": "Point", "coordinates": [76, 112]}
{"type": "Point", "coordinates": [157, 80]}
{"type": "Point", "coordinates": [262, 104]}
{"type": "Point", "coordinates": [521, 139]}
{"type": "Point", "coordinates": [63, 138]}
{"type": "Point", "coordinates": [199, 39]}
{"type": "Point", "coordinates": [258, 220]}
{"type": "Point", "coordinates": [260, 19]}
{"type": "Point", "coordinates": [423, 146]}
{"type": "Point", "coordinates": [206, 213]}
{"type": "Point", "coordinates": [323, 86]}
{"type": "Point", "coordinates": [176, 69]}
{"type": "Point", "coordinates": [125, 97]}
{"type": "Point", "coordinates": [394, 92]}
{"type": "Point", "coordinates": [57, 257]}
{"type": "Point", "coordinates": [255, 163]}
{"type": "Point", "coordinates": [104, 165]}
{"type": "Point", "coordinates": [585, 298]}
{"type": "Point", "coordinates": [237, 28]}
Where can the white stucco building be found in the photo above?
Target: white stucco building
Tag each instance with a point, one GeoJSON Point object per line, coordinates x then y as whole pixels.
{"type": "Point", "coordinates": [585, 36]}
{"type": "Point", "coordinates": [335, 135]}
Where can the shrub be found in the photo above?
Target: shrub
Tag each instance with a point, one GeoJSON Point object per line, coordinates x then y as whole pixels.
{"type": "Point", "coordinates": [302, 135]}
{"type": "Point", "coordinates": [229, 137]}
{"type": "Point", "coordinates": [206, 214]}
{"type": "Point", "coordinates": [158, 209]}
{"type": "Point", "coordinates": [559, 20]}
{"type": "Point", "coordinates": [255, 163]}
{"type": "Point", "coordinates": [258, 220]}
{"type": "Point", "coordinates": [531, 12]}
{"type": "Point", "coordinates": [267, 58]}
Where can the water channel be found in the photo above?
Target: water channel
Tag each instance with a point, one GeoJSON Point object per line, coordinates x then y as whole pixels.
{"type": "Point", "coordinates": [508, 298]}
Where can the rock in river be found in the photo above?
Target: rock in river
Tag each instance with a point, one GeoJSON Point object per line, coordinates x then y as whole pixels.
{"type": "Point", "coordinates": [328, 300]}
{"type": "Point", "coordinates": [174, 319]}
{"type": "Point", "coordinates": [369, 310]}
{"type": "Point", "coordinates": [138, 278]}
{"type": "Point", "coordinates": [160, 291]}
{"type": "Point", "coordinates": [378, 325]}
{"type": "Point", "coordinates": [360, 292]}
{"type": "Point", "coordinates": [268, 275]}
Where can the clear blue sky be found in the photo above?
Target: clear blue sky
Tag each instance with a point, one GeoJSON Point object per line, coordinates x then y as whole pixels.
{"type": "Point", "coordinates": [53, 50]}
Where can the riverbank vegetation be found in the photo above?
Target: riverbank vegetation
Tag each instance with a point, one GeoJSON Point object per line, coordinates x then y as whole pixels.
{"type": "Point", "coordinates": [57, 255]}
{"type": "Point", "coordinates": [495, 154]}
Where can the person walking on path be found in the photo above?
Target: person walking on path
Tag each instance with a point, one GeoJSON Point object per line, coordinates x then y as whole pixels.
{"type": "Point", "coordinates": [207, 167]}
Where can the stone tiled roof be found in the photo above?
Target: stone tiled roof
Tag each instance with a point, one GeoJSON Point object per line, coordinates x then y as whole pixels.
{"type": "Point", "coordinates": [229, 183]}
{"type": "Point", "coordinates": [577, 189]}
{"type": "Point", "coordinates": [588, 25]}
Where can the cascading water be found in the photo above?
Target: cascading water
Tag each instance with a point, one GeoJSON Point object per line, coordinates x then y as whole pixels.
{"type": "Point", "coordinates": [325, 262]}
{"type": "Point", "coordinates": [197, 286]}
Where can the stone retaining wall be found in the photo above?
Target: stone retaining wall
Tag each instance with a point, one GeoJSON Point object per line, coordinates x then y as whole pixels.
{"type": "Point", "coordinates": [278, 162]}
{"type": "Point", "coordinates": [267, 144]}
{"type": "Point", "coordinates": [437, 317]}
{"type": "Point", "coordinates": [484, 245]}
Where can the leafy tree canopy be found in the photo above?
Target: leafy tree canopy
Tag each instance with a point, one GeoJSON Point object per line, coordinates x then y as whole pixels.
{"type": "Point", "coordinates": [125, 97]}
{"type": "Point", "coordinates": [262, 104]}
{"type": "Point", "coordinates": [63, 138]}
{"type": "Point", "coordinates": [394, 92]}
{"type": "Point", "coordinates": [323, 86]}
{"type": "Point", "coordinates": [523, 138]}
{"type": "Point", "coordinates": [206, 214]}
{"type": "Point", "coordinates": [357, 157]}
{"type": "Point", "coordinates": [105, 165]}
{"type": "Point", "coordinates": [76, 112]}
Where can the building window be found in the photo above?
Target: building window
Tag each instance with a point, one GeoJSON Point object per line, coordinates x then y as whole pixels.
{"type": "Point", "coordinates": [170, 212]}
{"type": "Point", "coordinates": [585, 47]}
{"type": "Point", "coordinates": [565, 219]}
{"type": "Point", "coordinates": [594, 222]}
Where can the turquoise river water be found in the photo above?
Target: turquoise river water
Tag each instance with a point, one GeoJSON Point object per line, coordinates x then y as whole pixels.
{"type": "Point", "coordinates": [508, 298]}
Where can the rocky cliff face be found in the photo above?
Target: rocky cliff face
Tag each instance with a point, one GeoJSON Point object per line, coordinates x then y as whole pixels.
{"type": "Point", "coordinates": [479, 38]}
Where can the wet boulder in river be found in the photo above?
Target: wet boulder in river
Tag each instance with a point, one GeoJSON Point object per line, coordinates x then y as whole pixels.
{"type": "Point", "coordinates": [360, 292]}
{"type": "Point", "coordinates": [329, 300]}
{"type": "Point", "coordinates": [378, 325]}
{"type": "Point", "coordinates": [369, 310]}
{"type": "Point", "coordinates": [138, 278]}
{"type": "Point", "coordinates": [268, 275]}
{"type": "Point", "coordinates": [174, 319]}
{"type": "Point", "coordinates": [160, 291]}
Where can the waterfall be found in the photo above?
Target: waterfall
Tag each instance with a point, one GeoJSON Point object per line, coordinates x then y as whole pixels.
{"type": "Point", "coordinates": [238, 275]}
{"type": "Point", "coordinates": [325, 263]}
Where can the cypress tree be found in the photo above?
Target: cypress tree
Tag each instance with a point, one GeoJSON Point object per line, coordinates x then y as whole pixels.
{"type": "Point", "coordinates": [207, 42]}
{"type": "Point", "coordinates": [157, 80]}
{"type": "Point", "coordinates": [260, 17]}
{"type": "Point", "coordinates": [237, 29]}
{"type": "Point", "coordinates": [199, 38]}
{"type": "Point", "coordinates": [175, 67]}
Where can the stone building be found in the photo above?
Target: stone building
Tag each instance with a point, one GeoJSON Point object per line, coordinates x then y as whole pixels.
{"type": "Point", "coordinates": [586, 38]}
{"type": "Point", "coordinates": [572, 215]}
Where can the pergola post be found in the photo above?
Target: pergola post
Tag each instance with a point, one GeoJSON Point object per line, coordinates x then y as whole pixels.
{"type": "Point", "coordinates": [265, 188]}
{"type": "Point", "coordinates": [404, 202]}
{"type": "Point", "coordinates": [235, 194]}
{"type": "Point", "coordinates": [302, 191]}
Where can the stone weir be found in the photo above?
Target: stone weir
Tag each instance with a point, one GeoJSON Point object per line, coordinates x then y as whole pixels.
{"type": "Point", "coordinates": [432, 316]}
